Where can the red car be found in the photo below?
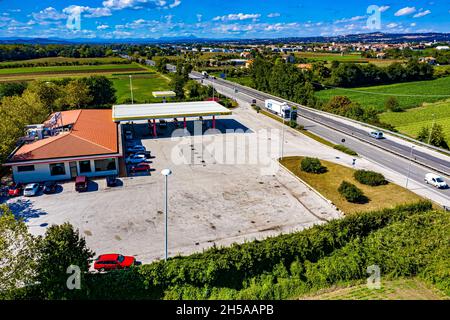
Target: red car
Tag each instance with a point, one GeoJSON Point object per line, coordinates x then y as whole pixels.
{"type": "Point", "coordinates": [15, 190]}
{"type": "Point", "coordinates": [113, 261]}
{"type": "Point", "coordinates": [141, 167]}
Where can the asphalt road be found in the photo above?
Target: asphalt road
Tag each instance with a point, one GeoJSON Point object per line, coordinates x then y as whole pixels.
{"type": "Point", "coordinates": [385, 152]}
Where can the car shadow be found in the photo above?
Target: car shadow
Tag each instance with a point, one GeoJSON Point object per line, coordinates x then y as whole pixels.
{"type": "Point", "coordinates": [23, 209]}
{"type": "Point", "coordinates": [92, 186]}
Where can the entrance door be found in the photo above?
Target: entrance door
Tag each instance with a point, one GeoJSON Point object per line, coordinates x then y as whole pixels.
{"type": "Point", "coordinates": [73, 169]}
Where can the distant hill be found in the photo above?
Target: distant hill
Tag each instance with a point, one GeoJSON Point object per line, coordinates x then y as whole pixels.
{"type": "Point", "coordinates": [366, 38]}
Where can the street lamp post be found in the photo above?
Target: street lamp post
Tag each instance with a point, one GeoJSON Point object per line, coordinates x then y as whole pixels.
{"type": "Point", "coordinates": [282, 140]}
{"type": "Point", "coordinates": [166, 173]}
{"type": "Point", "coordinates": [131, 89]}
{"type": "Point", "coordinates": [409, 167]}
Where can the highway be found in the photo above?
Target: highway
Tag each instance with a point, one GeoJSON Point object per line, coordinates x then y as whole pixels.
{"type": "Point", "coordinates": [388, 153]}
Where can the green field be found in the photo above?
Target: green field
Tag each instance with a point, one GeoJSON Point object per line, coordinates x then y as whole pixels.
{"type": "Point", "coordinates": [143, 86]}
{"type": "Point", "coordinates": [409, 94]}
{"type": "Point", "coordinates": [352, 57]}
{"type": "Point", "coordinates": [411, 121]}
{"type": "Point", "coordinates": [58, 60]}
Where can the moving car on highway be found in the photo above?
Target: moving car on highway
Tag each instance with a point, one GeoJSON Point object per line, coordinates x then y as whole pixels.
{"type": "Point", "coordinates": [113, 261]}
{"type": "Point", "coordinates": [435, 180]}
{"type": "Point", "coordinates": [377, 134]}
{"type": "Point", "coordinates": [31, 190]}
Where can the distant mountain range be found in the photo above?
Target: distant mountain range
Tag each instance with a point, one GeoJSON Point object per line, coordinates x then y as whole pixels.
{"type": "Point", "coordinates": [191, 39]}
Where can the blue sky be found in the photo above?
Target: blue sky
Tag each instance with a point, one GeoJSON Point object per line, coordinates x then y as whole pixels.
{"type": "Point", "coordinates": [110, 19]}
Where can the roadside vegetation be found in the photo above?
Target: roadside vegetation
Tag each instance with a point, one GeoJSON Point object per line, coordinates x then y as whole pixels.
{"type": "Point", "coordinates": [329, 183]}
{"type": "Point", "coordinates": [414, 241]}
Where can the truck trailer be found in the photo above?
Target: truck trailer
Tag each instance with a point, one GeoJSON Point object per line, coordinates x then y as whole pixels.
{"type": "Point", "coordinates": [280, 108]}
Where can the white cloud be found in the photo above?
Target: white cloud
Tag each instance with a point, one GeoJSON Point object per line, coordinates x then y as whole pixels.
{"type": "Point", "coordinates": [413, 24]}
{"type": "Point", "coordinates": [238, 17]}
{"type": "Point", "coordinates": [98, 12]}
{"type": "Point", "coordinates": [392, 25]}
{"type": "Point", "coordinates": [199, 17]}
{"type": "Point", "coordinates": [49, 13]}
{"type": "Point", "coordinates": [405, 11]}
{"type": "Point", "coordinates": [176, 3]}
{"type": "Point", "coordinates": [103, 27]}
{"type": "Point", "coordinates": [384, 8]}
{"type": "Point", "coordinates": [273, 15]}
{"type": "Point", "coordinates": [422, 14]}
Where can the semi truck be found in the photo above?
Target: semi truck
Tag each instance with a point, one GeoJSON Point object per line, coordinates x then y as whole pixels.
{"type": "Point", "coordinates": [280, 108]}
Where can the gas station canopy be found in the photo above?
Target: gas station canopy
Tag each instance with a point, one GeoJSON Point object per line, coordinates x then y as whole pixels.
{"type": "Point", "coordinates": [163, 94]}
{"type": "Point", "coordinates": [134, 112]}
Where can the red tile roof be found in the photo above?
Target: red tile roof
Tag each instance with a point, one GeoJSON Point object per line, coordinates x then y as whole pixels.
{"type": "Point", "coordinates": [93, 133]}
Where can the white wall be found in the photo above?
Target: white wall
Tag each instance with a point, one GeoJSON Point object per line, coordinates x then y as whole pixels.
{"type": "Point", "coordinates": [41, 173]}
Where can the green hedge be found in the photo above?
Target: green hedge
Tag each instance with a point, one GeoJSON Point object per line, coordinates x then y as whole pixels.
{"type": "Point", "coordinates": [312, 165]}
{"type": "Point", "coordinates": [370, 178]}
{"type": "Point", "coordinates": [221, 272]}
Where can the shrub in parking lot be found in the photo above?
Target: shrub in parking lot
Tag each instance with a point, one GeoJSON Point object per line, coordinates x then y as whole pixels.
{"type": "Point", "coordinates": [352, 193]}
{"type": "Point", "coordinates": [312, 165]}
{"type": "Point", "coordinates": [370, 178]}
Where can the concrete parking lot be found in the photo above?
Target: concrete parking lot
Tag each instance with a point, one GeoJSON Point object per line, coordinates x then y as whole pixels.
{"type": "Point", "coordinates": [212, 200]}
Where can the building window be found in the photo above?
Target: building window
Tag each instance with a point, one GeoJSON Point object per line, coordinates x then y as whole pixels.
{"type": "Point", "coordinates": [25, 168]}
{"type": "Point", "coordinates": [85, 166]}
{"type": "Point", "coordinates": [105, 165]}
{"type": "Point", "coordinates": [57, 169]}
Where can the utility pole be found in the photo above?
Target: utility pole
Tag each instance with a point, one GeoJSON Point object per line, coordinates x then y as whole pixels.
{"type": "Point", "coordinates": [409, 167]}
{"type": "Point", "coordinates": [131, 89]}
{"type": "Point", "coordinates": [432, 128]}
{"type": "Point", "coordinates": [166, 173]}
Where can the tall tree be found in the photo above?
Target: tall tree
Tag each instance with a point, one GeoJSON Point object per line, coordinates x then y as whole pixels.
{"type": "Point", "coordinates": [17, 254]}
{"type": "Point", "coordinates": [101, 89]}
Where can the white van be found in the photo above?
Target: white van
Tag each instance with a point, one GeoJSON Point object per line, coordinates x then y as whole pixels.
{"type": "Point", "coordinates": [435, 180]}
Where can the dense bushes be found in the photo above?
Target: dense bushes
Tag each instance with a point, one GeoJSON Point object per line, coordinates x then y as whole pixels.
{"type": "Point", "coordinates": [312, 165]}
{"type": "Point", "coordinates": [352, 193]}
{"type": "Point", "coordinates": [370, 178]}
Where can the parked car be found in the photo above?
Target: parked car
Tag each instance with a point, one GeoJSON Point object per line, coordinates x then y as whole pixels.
{"type": "Point", "coordinates": [15, 190]}
{"type": "Point", "coordinates": [111, 181]}
{"type": "Point", "coordinates": [81, 183]}
{"type": "Point", "coordinates": [136, 148]}
{"type": "Point", "coordinates": [31, 190]}
{"type": "Point", "coordinates": [50, 187]}
{"type": "Point", "coordinates": [162, 123]}
{"type": "Point", "coordinates": [106, 262]}
{"type": "Point", "coordinates": [128, 135]}
{"type": "Point", "coordinates": [147, 154]}
{"type": "Point", "coordinates": [377, 134]}
{"type": "Point", "coordinates": [435, 180]}
{"type": "Point", "coordinates": [141, 167]}
{"type": "Point", "coordinates": [135, 159]}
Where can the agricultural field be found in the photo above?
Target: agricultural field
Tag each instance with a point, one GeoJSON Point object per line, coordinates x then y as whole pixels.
{"type": "Point", "coordinates": [143, 86]}
{"type": "Point", "coordinates": [411, 121]}
{"type": "Point", "coordinates": [327, 184]}
{"type": "Point", "coordinates": [62, 60]}
{"type": "Point", "coordinates": [349, 58]}
{"type": "Point", "coordinates": [408, 94]}
{"type": "Point", "coordinates": [399, 289]}
{"type": "Point", "coordinates": [33, 73]}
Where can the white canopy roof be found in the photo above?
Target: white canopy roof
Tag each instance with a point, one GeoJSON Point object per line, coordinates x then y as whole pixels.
{"type": "Point", "coordinates": [130, 112]}
{"type": "Point", "coordinates": [163, 94]}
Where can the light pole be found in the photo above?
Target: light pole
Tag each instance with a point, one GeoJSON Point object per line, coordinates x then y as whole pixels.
{"type": "Point", "coordinates": [282, 140]}
{"type": "Point", "coordinates": [131, 89]}
{"type": "Point", "coordinates": [409, 167]}
{"type": "Point", "coordinates": [166, 173]}
{"type": "Point", "coordinates": [432, 128]}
